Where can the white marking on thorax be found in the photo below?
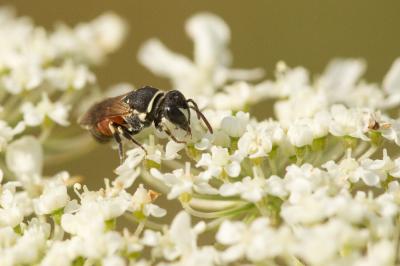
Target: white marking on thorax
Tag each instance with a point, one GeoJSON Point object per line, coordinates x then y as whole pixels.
{"type": "Point", "coordinates": [142, 116]}
{"type": "Point", "coordinates": [150, 105]}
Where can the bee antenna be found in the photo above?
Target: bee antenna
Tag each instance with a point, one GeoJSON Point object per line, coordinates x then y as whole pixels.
{"type": "Point", "coordinates": [200, 114]}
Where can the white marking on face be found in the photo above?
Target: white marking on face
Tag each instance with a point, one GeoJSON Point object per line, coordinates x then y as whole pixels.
{"type": "Point", "coordinates": [185, 112]}
{"type": "Point", "coordinates": [167, 123]}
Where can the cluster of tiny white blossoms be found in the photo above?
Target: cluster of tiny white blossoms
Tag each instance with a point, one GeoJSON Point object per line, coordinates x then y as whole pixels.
{"type": "Point", "coordinates": [316, 185]}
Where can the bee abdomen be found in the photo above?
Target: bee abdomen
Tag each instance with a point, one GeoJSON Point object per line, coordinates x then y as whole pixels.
{"type": "Point", "coordinates": [99, 136]}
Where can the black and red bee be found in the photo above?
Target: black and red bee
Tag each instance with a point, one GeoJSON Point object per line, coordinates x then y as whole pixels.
{"type": "Point", "coordinates": [126, 115]}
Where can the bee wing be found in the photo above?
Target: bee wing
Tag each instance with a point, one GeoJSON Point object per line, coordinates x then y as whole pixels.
{"type": "Point", "coordinates": [107, 108]}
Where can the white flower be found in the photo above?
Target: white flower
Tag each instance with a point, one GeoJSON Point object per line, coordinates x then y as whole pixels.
{"type": "Point", "coordinates": [182, 181]}
{"type": "Point", "coordinates": [100, 245]}
{"type": "Point", "coordinates": [320, 124]}
{"type": "Point", "coordinates": [392, 132]}
{"type": "Point", "coordinates": [210, 35]}
{"type": "Point", "coordinates": [211, 58]}
{"type": "Point", "coordinates": [294, 107]}
{"type": "Point", "coordinates": [172, 148]}
{"type": "Point", "coordinates": [259, 139]}
{"type": "Point", "coordinates": [235, 97]}
{"type": "Point", "coordinates": [381, 253]}
{"type": "Point", "coordinates": [372, 172]}
{"type": "Point", "coordinates": [256, 242]}
{"type": "Point", "coordinates": [202, 256]}
{"type": "Point", "coordinates": [89, 41]}
{"type": "Point", "coordinates": [7, 237]}
{"type": "Point", "coordinates": [70, 76]}
{"type": "Point", "coordinates": [83, 222]}
{"type": "Point", "coordinates": [250, 189]}
{"type": "Point", "coordinates": [96, 207]}
{"type": "Point", "coordinates": [391, 83]}
{"type": "Point", "coordinates": [316, 204]}
{"type": "Point", "coordinates": [180, 240]}
{"type": "Point", "coordinates": [128, 171]}
{"type": "Point", "coordinates": [342, 171]}
{"type": "Point", "coordinates": [219, 162]}
{"type": "Point", "coordinates": [62, 252]}
{"type": "Point", "coordinates": [328, 238]}
{"type": "Point", "coordinates": [24, 157]}
{"type": "Point", "coordinates": [367, 173]}
{"type": "Point", "coordinates": [142, 201]}
{"type": "Point", "coordinates": [302, 181]}
{"type": "Point", "coordinates": [155, 152]}
{"type": "Point", "coordinates": [348, 122]}
{"type": "Point", "coordinates": [300, 134]}
{"type": "Point", "coordinates": [11, 213]}
{"type": "Point", "coordinates": [54, 197]}
{"type": "Point", "coordinates": [32, 244]}
{"type": "Point", "coordinates": [7, 133]}
{"type": "Point", "coordinates": [388, 205]}
{"type": "Point", "coordinates": [161, 61]}
{"type": "Point", "coordinates": [35, 115]}
{"type": "Point", "coordinates": [23, 77]}
{"type": "Point", "coordinates": [276, 187]}
{"type": "Point", "coordinates": [110, 31]}
{"type": "Point", "coordinates": [339, 78]}
{"type": "Point", "coordinates": [367, 95]}
{"type": "Point", "coordinates": [113, 260]}
{"type": "Point", "coordinates": [236, 125]}
{"type": "Point", "coordinates": [288, 81]}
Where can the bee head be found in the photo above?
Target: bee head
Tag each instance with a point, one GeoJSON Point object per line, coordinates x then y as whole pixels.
{"type": "Point", "coordinates": [176, 109]}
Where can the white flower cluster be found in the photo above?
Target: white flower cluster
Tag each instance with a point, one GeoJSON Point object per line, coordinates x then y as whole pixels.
{"type": "Point", "coordinates": [42, 73]}
{"type": "Point", "coordinates": [317, 185]}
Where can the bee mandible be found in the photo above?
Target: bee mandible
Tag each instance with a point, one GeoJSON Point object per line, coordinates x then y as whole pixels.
{"type": "Point", "coordinates": [126, 115]}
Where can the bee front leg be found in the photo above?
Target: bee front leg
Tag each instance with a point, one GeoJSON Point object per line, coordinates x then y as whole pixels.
{"type": "Point", "coordinates": [169, 133]}
{"type": "Point", "coordinates": [163, 128]}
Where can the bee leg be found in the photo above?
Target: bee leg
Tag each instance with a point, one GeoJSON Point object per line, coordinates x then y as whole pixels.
{"type": "Point", "coordinates": [168, 132]}
{"type": "Point", "coordinates": [117, 138]}
{"type": "Point", "coordinates": [125, 132]}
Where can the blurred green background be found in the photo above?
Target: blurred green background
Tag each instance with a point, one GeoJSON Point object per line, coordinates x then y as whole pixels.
{"type": "Point", "coordinates": [307, 33]}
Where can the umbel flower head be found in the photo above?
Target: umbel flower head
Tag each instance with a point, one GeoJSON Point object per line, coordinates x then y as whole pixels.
{"type": "Point", "coordinates": [315, 184]}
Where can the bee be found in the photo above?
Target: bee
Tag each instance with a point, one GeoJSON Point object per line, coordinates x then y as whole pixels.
{"type": "Point", "coordinates": [126, 115]}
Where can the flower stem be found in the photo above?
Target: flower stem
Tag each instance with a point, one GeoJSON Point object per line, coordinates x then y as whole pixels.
{"type": "Point", "coordinates": [212, 215]}
{"type": "Point", "coordinates": [368, 153]}
{"type": "Point", "coordinates": [146, 223]}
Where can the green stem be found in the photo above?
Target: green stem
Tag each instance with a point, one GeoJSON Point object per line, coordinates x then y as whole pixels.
{"type": "Point", "coordinates": [146, 223]}
{"type": "Point", "coordinates": [218, 214]}
{"type": "Point", "coordinates": [139, 228]}
{"type": "Point", "coordinates": [148, 178]}
{"type": "Point", "coordinates": [368, 153]}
